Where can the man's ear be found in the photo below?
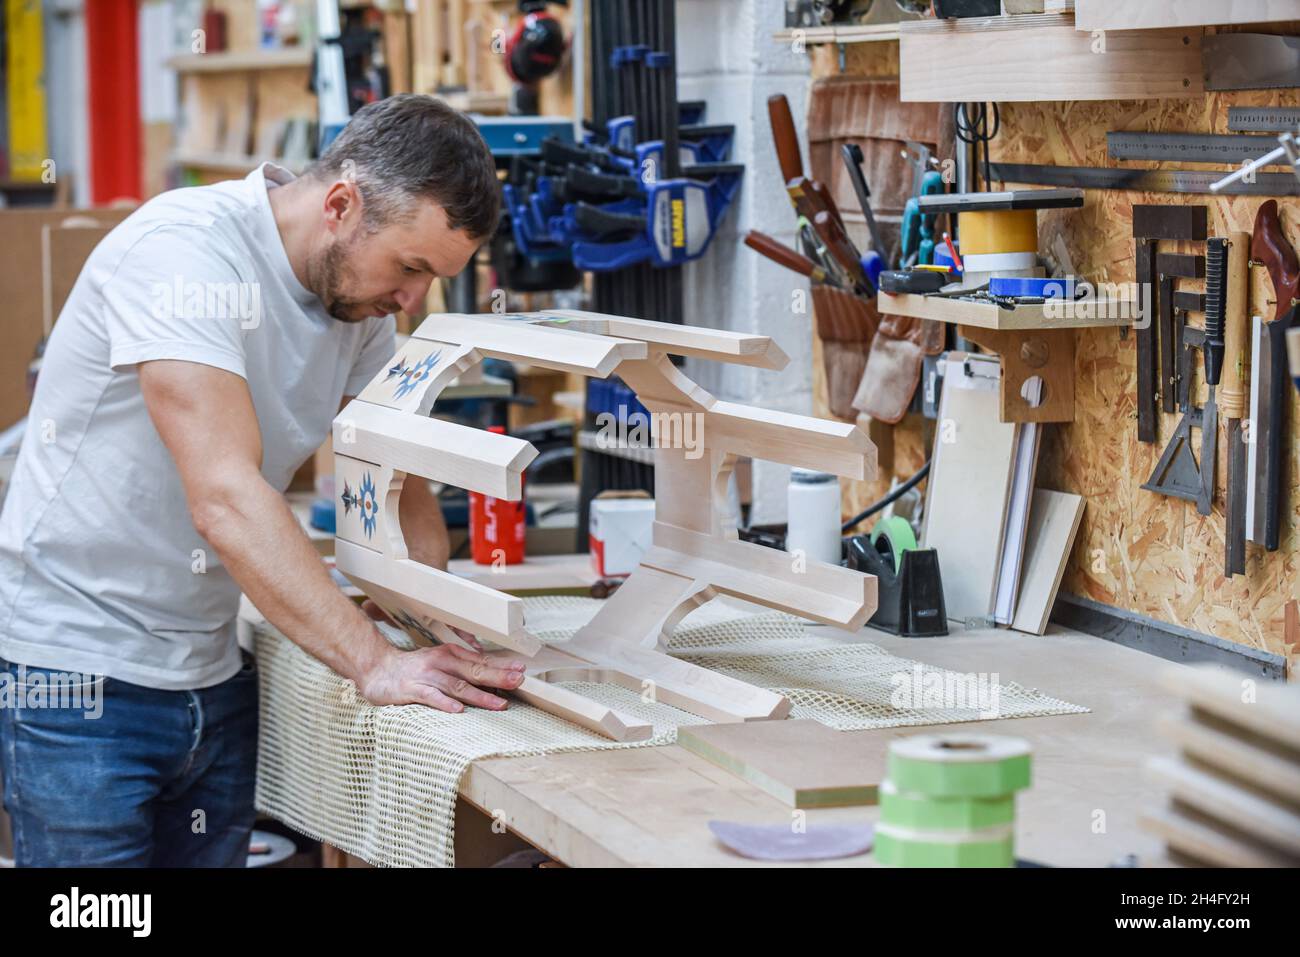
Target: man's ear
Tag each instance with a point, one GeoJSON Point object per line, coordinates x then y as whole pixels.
{"type": "Point", "coordinates": [342, 204]}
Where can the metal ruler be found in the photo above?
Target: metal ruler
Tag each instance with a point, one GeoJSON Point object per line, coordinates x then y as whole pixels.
{"type": "Point", "coordinates": [1264, 119]}
{"type": "Point", "coordinates": [1188, 147]}
{"type": "Point", "coordinates": [1147, 181]}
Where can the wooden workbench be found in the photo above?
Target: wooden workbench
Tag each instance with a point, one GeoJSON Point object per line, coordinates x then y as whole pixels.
{"type": "Point", "coordinates": [651, 806]}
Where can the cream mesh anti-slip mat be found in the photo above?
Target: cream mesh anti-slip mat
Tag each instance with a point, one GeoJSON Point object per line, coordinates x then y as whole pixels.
{"type": "Point", "coordinates": [381, 783]}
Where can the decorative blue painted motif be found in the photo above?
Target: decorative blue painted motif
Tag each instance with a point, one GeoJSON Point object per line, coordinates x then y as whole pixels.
{"type": "Point", "coordinates": [363, 500]}
{"type": "Point", "coordinates": [409, 377]}
{"type": "Point", "coordinates": [369, 505]}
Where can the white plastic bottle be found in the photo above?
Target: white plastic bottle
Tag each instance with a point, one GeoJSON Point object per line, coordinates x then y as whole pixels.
{"type": "Point", "coordinates": [813, 510]}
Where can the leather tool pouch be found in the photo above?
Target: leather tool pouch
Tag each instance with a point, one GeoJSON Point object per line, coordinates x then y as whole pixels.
{"type": "Point", "coordinates": [846, 326]}
{"type": "Point", "coordinates": [872, 363]}
{"type": "Point", "coordinates": [894, 365]}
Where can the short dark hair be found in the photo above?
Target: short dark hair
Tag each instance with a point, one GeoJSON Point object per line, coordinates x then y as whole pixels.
{"type": "Point", "coordinates": [415, 146]}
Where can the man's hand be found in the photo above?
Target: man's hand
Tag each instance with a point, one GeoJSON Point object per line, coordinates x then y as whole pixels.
{"type": "Point", "coordinates": [444, 677]}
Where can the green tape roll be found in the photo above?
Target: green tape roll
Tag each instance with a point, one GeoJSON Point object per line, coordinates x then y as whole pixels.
{"type": "Point", "coordinates": [911, 810]}
{"type": "Point", "coordinates": [898, 532]}
{"type": "Point", "coordinates": [899, 847]}
{"type": "Point", "coordinates": [959, 765]}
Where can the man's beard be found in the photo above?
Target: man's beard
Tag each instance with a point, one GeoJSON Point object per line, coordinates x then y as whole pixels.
{"type": "Point", "coordinates": [331, 275]}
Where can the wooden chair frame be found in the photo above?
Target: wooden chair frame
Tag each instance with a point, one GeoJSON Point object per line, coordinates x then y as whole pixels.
{"type": "Point", "coordinates": [386, 434]}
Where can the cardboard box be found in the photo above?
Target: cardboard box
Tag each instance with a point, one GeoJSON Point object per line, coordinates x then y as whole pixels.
{"type": "Point", "coordinates": [621, 529]}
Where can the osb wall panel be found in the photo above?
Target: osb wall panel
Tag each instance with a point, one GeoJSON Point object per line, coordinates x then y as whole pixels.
{"type": "Point", "coordinates": [1136, 550]}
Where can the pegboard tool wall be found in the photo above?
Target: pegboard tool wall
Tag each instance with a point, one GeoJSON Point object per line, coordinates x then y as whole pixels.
{"type": "Point", "coordinates": [1136, 550]}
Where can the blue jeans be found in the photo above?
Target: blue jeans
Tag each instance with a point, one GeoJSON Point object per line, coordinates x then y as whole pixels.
{"type": "Point", "coordinates": [157, 779]}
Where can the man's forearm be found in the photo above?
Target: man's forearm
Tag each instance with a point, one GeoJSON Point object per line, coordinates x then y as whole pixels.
{"type": "Point", "coordinates": [260, 541]}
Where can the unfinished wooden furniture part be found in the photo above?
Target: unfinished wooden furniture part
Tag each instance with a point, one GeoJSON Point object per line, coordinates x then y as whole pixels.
{"type": "Point", "coordinates": [1234, 787]}
{"type": "Point", "coordinates": [1159, 14]}
{"type": "Point", "coordinates": [386, 434]}
{"type": "Point", "coordinates": [1101, 311]}
{"type": "Point", "coordinates": [1042, 57]}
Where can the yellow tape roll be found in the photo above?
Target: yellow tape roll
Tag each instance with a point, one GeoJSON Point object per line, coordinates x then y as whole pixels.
{"type": "Point", "coordinates": [1003, 231]}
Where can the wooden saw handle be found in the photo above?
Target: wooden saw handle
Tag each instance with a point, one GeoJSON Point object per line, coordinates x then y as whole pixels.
{"type": "Point", "coordinates": [1236, 328]}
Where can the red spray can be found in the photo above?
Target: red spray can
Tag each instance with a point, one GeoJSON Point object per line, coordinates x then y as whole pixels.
{"type": "Point", "coordinates": [496, 525]}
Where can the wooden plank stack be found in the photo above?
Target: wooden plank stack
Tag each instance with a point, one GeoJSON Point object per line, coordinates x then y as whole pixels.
{"type": "Point", "coordinates": [1234, 786]}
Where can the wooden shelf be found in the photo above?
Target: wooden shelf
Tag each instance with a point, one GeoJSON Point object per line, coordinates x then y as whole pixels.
{"type": "Point", "coordinates": [868, 33]}
{"type": "Point", "coordinates": [987, 315]}
{"type": "Point", "coordinates": [1164, 14]}
{"type": "Point", "coordinates": [239, 61]}
{"type": "Point", "coordinates": [1040, 57]}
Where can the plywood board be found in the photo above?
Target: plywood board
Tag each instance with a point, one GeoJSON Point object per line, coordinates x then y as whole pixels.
{"type": "Point", "coordinates": [801, 763]}
{"type": "Point", "coordinates": [1202, 838]}
{"type": "Point", "coordinates": [970, 480]}
{"type": "Point", "coordinates": [1222, 745]}
{"type": "Point", "coordinates": [987, 315]}
{"type": "Point", "coordinates": [1041, 57]}
{"type": "Point", "coordinates": [1054, 519]}
{"type": "Point", "coordinates": [1273, 823]}
{"type": "Point", "coordinates": [1263, 708]}
{"type": "Point", "coordinates": [1157, 14]}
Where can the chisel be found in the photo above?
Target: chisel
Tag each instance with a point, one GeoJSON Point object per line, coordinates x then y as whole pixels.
{"type": "Point", "coordinates": [785, 256]}
{"type": "Point", "coordinates": [785, 137]}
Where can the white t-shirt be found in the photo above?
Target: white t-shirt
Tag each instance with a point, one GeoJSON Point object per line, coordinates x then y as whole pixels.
{"type": "Point", "coordinates": [101, 569]}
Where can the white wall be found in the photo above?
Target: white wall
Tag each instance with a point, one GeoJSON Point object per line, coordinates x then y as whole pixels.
{"type": "Point", "coordinates": [726, 56]}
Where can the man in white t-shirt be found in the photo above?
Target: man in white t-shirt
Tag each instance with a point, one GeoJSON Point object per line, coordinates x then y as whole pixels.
{"type": "Point", "coordinates": [205, 349]}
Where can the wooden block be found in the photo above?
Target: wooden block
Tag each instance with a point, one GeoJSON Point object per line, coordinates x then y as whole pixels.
{"type": "Point", "coordinates": [1209, 840]}
{"type": "Point", "coordinates": [405, 585]}
{"type": "Point", "coordinates": [802, 764]}
{"type": "Point", "coordinates": [1054, 519]}
{"type": "Point", "coordinates": [1047, 355]}
{"type": "Point", "coordinates": [830, 594]}
{"type": "Point", "coordinates": [506, 338]}
{"type": "Point", "coordinates": [1042, 57]}
{"type": "Point", "coordinates": [1170, 222]}
{"type": "Point", "coordinates": [684, 685]}
{"type": "Point", "coordinates": [1229, 801]}
{"type": "Point", "coordinates": [721, 345]}
{"type": "Point", "coordinates": [1221, 745]}
{"type": "Point", "coordinates": [1264, 708]}
{"type": "Point", "coordinates": [458, 455]}
{"type": "Point", "coordinates": [988, 315]}
{"type": "Point", "coordinates": [840, 448]}
{"type": "Point", "coordinates": [1159, 14]}
{"type": "Point", "coordinates": [590, 714]}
